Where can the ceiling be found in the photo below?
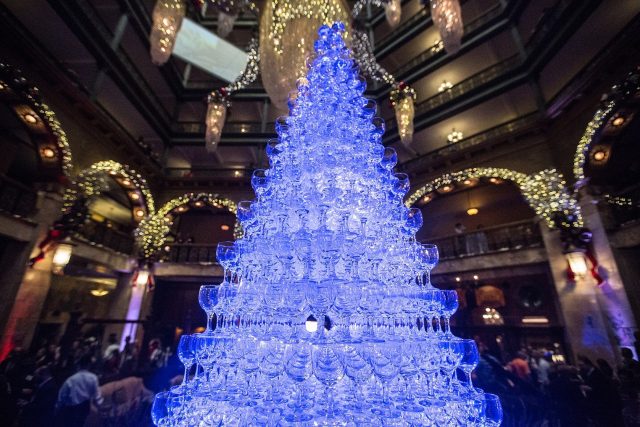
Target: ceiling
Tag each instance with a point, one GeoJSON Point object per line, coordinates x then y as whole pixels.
{"type": "Point", "coordinates": [517, 58]}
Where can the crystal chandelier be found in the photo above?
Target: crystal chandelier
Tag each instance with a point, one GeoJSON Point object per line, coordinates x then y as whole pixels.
{"type": "Point", "coordinates": [402, 99]}
{"type": "Point", "coordinates": [328, 237]}
{"type": "Point", "coordinates": [216, 115]}
{"type": "Point", "coordinates": [167, 19]}
{"type": "Point", "coordinates": [287, 32]}
{"type": "Point", "coordinates": [447, 17]}
{"type": "Point", "coordinates": [393, 12]}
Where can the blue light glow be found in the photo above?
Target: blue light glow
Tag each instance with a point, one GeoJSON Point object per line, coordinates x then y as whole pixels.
{"type": "Point", "coordinates": [328, 238]}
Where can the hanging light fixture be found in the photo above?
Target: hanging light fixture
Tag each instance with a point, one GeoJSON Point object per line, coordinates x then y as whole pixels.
{"type": "Point", "coordinates": [225, 23]}
{"type": "Point", "coordinates": [167, 19]}
{"type": "Point", "coordinates": [455, 136]}
{"type": "Point", "coordinates": [402, 99]}
{"type": "Point", "coordinates": [216, 115]}
{"type": "Point", "coordinates": [447, 16]}
{"type": "Point", "coordinates": [393, 12]}
{"type": "Point", "coordinates": [62, 256]}
{"type": "Point", "coordinates": [288, 29]}
{"type": "Point", "coordinates": [471, 210]}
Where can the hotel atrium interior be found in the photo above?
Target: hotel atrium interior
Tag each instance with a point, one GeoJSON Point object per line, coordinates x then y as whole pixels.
{"type": "Point", "coordinates": [161, 189]}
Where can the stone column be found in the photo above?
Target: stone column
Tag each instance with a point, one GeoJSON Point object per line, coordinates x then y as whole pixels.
{"type": "Point", "coordinates": [612, 296]}
{"type": "Point", "coordinates": [33, 283]}
{"type": "Point", "coordinates": [585, 324]}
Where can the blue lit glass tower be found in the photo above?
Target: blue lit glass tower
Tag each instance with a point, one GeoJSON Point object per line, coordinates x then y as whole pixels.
{"type": "Point", "coordinates": [326, 315]}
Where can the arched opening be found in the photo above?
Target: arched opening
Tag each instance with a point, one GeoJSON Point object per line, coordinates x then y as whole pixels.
{"type": "Point", "coordinates": [470, 218]}
{"type": "Point", "coordinates": [113, 199]}
{"type": "Point", "coordinates": [486, 223]}
{"type": "Point", "coordinates": [214, 221]}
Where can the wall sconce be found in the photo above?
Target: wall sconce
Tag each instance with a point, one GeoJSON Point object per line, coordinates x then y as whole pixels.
{"type": "Point", "coordinates": [577, 262]}
{"type": "Point", "coordinates": [142, 277]}
{"type": "Point", "coordinates": [62, 256]}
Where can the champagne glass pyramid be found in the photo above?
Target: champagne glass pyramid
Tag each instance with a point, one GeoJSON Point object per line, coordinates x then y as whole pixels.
{"type": "Point", "coordinates": [328, 238]}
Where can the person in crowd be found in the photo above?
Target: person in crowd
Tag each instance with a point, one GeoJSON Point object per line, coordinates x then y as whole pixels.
{"type": "Point", "coordinates": [76, 394]}
{"type": "Point", "coordinates": [541, 364]}
{"type": "Point", "coordinates": [520, 367]}
{"type": "Point", "coordinates": [111, 356]}
{"type": "Point", "coordinates": [40, 410]}
{"type": "Point", "coordinates": [566, 398]}
{"type": "Point", "coordinates": [156, 355]}
{"type": "Point", "coordinates": [460, 241]}
{"type": "Point", "coordinates": [129, 357]}
{"type": "Point", "coordinates": [604, 404]}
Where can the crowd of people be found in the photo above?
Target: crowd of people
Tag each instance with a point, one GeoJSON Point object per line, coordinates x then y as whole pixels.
{"type": "Point", "coordinates": [56, 385]}
{"type": "Point", "coordinates": [535, 390]}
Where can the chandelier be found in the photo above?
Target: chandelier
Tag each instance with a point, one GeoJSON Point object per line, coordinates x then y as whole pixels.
{"type": "Point", "coordinates": [167, 19]}
{"type": "Point", "coordinates": [402, 99]}
{"type": "Point", "coordinates": [329, 238]}
{"type": "Point", "coordinates": [287, 32]}
{"type": "Point", "coordinates": [447, 17]}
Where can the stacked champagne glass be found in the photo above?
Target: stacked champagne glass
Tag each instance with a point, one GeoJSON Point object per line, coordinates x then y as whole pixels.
{"type": "Point", "coordinates": [326, 314]}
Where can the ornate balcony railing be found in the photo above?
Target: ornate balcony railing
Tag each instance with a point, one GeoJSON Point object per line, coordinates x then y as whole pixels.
{"type": "Point", "coordinates": [16, 199]}
{"type": "Point", "coordinates": [432, 51]}
{"type": "Point", "coordinates": [100, 234]}
{"type": "Point", "coordinates": [191, 253]}
{"type": "Point", "coordinates": [506, 237]}
{"type": "Point", "coordinates": [510, 128]}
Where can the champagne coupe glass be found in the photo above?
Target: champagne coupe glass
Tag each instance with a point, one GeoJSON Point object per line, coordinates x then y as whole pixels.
{"type": "Point", "coordinates": [159, 411]}
{"type": "Point", "coordinates": [492, 410]}
{"type": "Point", "coordinates": [470, 358]}
{"type": "Point", "coordinates": [187, 355]}
{"type": "Point", "coordinates": [429, 257]}
{"type": "Point", "coordinates": [208, 299]}
{"type": "Point", "coordinates": [328, 369]}
{"type": "Point", "coordinates": [449, 307]}
{"type": "Point", "coordinates": [299, 368]}
{"type": "Point", "coordinates": [205, 355]}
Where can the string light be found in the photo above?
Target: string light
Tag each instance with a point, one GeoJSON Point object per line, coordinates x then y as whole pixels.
{"type": "Point", "coordinates": [629, 88]}
{"type": "Point", "coordinates": [545, 191]}
{"type": "Point", "coordinates": [152, 232]}
{"type": "Point", "coordinates": [90, 182]}
{"type": "Point", "coordinates": [11, 78]}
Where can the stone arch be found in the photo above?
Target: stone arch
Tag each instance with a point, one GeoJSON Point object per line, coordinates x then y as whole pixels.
{"type": "Point", "coordinates": [91, 182]}
{"type": "Point", "coordinates": [545, 191]}
{"type": "Point", "coordinates": [40, 122]}
{"type": "Point", "coordinates": [153, 231]}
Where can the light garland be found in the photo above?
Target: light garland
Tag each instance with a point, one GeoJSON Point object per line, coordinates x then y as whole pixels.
{"type": "Point", "coordinates": [90, 182]}
{"type": "Point", "coordinates": [545, 191]}
{"type": "Point", "coordinates": [251, 70]}
{"type": "Point", "coordinates": [152, 232]}
{"type": "Point", "coordinates": [366, 60]}
{"type": "Point", "coordinates": [167, 20]}
{"type": "Point", "coordinates": [619, 93]}
{"type": "Point", "coordinates": [594, 126]}
{"type": "Point", "coordinates": [12, 79]}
